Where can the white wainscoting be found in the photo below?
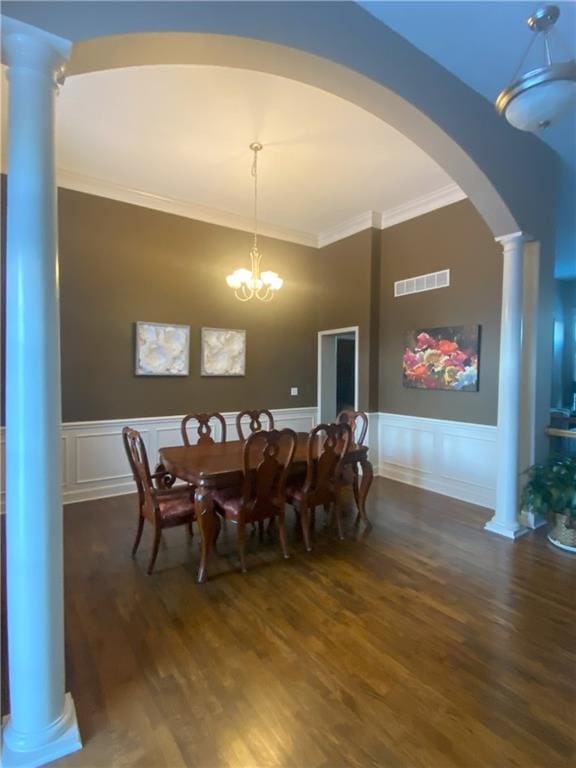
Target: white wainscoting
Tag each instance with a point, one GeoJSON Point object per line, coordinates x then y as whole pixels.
{"type": "Point", "coordinates": [94, 464]}
{"type": "Point", "coordinates": [449, 457]}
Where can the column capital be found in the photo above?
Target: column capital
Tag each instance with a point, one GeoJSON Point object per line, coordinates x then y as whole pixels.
{"type": "Point", "coordinates": [28, 47]}
{"type": "Point", "coordinates": [511, 240]}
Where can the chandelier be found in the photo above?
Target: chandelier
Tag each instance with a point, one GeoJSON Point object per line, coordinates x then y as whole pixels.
{"type": "Point", "coordinates": [252, 283]}
{"type": "Point", "coordinates": [541, 96]}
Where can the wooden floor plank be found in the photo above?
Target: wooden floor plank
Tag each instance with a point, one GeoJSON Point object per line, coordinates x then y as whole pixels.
{"type": "Point", "coordinates": [429, 643]}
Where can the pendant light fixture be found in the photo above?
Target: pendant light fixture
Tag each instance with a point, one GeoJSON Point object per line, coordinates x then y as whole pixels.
{"type": "Point", "coordinates": [541, 96]}
{"type": "Point", "coordinates": [252, 283]}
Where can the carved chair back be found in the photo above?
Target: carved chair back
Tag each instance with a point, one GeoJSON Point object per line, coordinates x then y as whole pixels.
{"type": "Point", "coordinates": [327, 447]}
{"type": "Point", "coordinates": [204, 429]}
{"type": "Point", "coordinates": [267, 457]}
{"type": "Point", "coordinates": [256, 419]}
{"type": "Point", "coordinates": [138, 460]}
{"type": "Point", "coordinates": [358, 421]}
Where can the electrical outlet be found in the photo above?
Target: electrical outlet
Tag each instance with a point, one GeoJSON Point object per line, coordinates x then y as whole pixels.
{"type": "Point", "coordinates": [294, 391]}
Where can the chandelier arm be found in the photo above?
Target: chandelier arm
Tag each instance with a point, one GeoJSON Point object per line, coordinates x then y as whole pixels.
{"type": "Point", "coordinates": [243, 294]}
{"type": "Point", "coordinates": [267, 295]}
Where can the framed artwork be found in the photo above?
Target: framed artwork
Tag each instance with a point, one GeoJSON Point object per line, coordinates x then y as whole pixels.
{"type": "Point", "coordinates": [223, 352]}
{"type": "Point", "coordinates": [162, 349]}
{"type": "Point", "coordinates": [442, 358]}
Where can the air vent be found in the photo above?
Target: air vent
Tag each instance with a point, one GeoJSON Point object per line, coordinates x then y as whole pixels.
{"type": "Point", "coordinates": [421, 283]}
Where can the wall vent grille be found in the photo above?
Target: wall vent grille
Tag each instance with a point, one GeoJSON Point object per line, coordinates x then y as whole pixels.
{"type": "Point", "coordinates": [421, 283]}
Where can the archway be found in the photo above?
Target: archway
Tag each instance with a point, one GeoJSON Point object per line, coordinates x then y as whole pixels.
{"type": "Point", "coordinates": [303, 43]}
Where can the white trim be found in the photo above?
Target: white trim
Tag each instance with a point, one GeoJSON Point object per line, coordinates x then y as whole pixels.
{"type": "Point", "coordinates": [454, 458]}
{"type": "Point", "coordinates": [94, 465]}
{"type": "Point", "coordinates": [91, 185]}
{"type": "Point", "coordinates": [448, 457]}
{"type": "Point", "coordinates": [355, 329]}
{"type": "Point", "coordinates": [352, 226]}
{"type": "Point", "coordinates": [440, 198]}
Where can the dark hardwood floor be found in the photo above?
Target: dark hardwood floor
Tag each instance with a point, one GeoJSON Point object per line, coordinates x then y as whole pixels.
{"type": "Point", "coordinates": [428, 643]}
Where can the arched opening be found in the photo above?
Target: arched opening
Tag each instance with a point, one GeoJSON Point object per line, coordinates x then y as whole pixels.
{"type": "Point", "coordinates": [504, 208]}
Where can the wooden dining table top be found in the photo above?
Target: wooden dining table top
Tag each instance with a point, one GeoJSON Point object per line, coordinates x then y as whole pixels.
{"type": "Point", "coordinates": [220, 464]}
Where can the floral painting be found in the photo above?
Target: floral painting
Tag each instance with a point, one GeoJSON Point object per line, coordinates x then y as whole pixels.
{"type": "Point", "coordinates": [162, 349]}
{"type": "Point", "coordinates": [223, 352]}
{"type": "Point", "coordinates": [442, 358]}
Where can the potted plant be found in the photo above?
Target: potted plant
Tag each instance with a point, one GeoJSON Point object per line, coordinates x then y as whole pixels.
{"type": "Point", "coordinates": [562, 502]}
{"type": "Point", "coordinates": [550, 490]}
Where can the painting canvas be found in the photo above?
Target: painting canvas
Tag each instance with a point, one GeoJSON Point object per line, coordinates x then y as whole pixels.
{"type": "Point", "coordinates": [162, 349]}
{"type": "Point", "coordinates": [442, 358]}
{"type": "Point", "coordinates": [223, 352]}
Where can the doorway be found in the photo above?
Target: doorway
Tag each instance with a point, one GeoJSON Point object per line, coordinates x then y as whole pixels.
{"type": "Point", "coordinates": [337, 372]}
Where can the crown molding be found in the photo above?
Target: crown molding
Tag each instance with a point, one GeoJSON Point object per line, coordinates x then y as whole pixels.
{"type": "Point", "coordinates": [352, 226]}
{"type": "Point", "coordinates": [447, 195]}
{"type": "Point", "coordinates": [93, 186]}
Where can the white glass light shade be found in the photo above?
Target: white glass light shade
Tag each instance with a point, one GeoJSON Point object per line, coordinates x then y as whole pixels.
{"type": "Point", "coordinates": [240, 276]}
{"type": "Point", "coordinates": [542, 105]}
{"type": "Point", "coordinates": [272, 279]}
{"type": "Point", "coordinates": [540, 97]}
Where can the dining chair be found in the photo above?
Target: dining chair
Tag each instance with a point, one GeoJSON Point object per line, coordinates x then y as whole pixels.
{"type": "Point", "coordinates": [266, 456]}
{"type": "Point", "coordinates": [255, 424]}
{"type": "Point", "coordinates": [327, 447]}
{"type": "Point", "coordinates": [204, 428]}
{"type": "Point", "coordinates": [164, 505]}
{"type": "Point", "coordinates": [358, 421]}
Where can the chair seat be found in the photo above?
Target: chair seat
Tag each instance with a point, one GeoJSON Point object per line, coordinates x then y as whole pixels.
{"type": "Point", "coordinates": [228, 501]}
{"type": "Point", "coordinates": [176, 504]}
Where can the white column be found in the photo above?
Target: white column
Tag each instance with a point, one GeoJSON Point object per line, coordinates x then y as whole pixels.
{"type": "Point", "coordinates": [505, 521]}
{"type": "Point", "coordinates": [41, 725]}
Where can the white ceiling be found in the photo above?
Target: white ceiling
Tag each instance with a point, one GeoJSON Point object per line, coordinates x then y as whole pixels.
{"type": "Point", "coordinates": [182, 132]}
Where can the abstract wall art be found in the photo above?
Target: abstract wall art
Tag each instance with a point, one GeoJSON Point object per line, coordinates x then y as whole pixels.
{"type": "Point", "coordinates": [162, 349]}
{"type": "Point", "coordinates": [442, 358]}
{"type": "Point", "coordinates": [223, 352]}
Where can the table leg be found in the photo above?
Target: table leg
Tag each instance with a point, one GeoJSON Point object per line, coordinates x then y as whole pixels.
{"type": "Point", "coordinates": [207, 524]}
{"type": "Point", "coordinates": [365, 483]}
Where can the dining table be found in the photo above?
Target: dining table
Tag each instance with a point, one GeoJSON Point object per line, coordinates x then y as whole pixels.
{"type": "Point", "coordinates": [213, 466]}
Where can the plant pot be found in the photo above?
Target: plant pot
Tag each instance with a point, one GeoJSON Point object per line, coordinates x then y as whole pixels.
{"type": "Point", "coordinates": [533, 518]}
{"type": "Point", "coordinates": [562, 536]}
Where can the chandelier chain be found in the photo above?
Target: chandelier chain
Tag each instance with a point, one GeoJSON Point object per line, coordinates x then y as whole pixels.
{"type": "Point", "coordinates": [254, 172]}
{"type": "Point", "coordinates": [524, 57]}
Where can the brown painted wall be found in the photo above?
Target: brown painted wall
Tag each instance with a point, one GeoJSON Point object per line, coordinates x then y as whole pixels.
{"type": "Point", "coordinates": [345, 279]}
{"type": "Point", "coordinates": [120, 263]}
{"type": "Point", "coordinates": [457, 238]}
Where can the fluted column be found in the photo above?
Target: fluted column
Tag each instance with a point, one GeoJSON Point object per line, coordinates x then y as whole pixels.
{"type": "Point", "coordinates": [505, 521]}
{"type": "Point", "coordinates": [42, 722]}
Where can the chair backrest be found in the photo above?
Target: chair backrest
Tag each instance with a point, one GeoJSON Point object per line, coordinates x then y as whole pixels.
{"type": "Point", "coordinates": [203, 427]}
{"type": "Point", "coordinates": [267, 457]}
{"type": "Point", "coordinates": [255, 424]}
{"type": "Point", "coordinates": [327, 447]}
{"type": "Point", "coordinates": [358, 421]}
{"type": "Point", "coordinates": [138, 460]}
